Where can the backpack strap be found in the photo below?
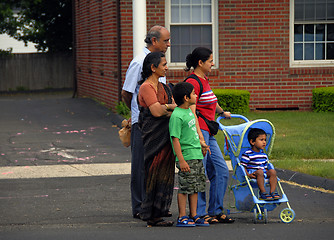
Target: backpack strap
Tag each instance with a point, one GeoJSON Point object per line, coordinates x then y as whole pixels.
{"type": "Point", "coordinates": [194, 76]}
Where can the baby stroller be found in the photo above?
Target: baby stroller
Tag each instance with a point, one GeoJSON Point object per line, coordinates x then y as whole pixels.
{"type": "Point", "coordinates": [246, 191]}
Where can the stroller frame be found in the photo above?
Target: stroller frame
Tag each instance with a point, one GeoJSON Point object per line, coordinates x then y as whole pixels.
{"type": "Point", "coordinates": [245, 193]}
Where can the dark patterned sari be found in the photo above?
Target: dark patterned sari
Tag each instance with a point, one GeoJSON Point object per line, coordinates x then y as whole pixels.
{"type": "Point", "coordinates": [159, 163]}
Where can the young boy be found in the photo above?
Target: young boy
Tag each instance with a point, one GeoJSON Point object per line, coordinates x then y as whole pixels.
{"type": "Point", "coordinates": [188, 151]}
{"type": "Point", "coordinates": [257, 166]}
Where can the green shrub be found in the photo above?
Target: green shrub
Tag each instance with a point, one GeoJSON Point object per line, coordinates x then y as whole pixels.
{"type": "Point", "coordinates": [323, 99]}
{"type": "Point", "coordinates": [123, 110]}
{"type": "Point", "coordinates": [7, 52]}
{"type": "Point", "coordinates": [22, 88]}
{"type": "Point", "coordinates": [232, 100]}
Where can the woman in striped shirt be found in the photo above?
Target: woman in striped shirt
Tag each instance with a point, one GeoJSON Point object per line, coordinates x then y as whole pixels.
{"type": "Point", "coordinates": [201, 60]}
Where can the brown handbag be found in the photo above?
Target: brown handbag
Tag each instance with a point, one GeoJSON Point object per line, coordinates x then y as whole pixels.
{"type": "Point", "coordinates": [125, 133]}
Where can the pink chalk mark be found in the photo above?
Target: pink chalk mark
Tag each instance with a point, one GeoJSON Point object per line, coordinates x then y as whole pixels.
{"type": "Point", "coordinates": [5, 173]}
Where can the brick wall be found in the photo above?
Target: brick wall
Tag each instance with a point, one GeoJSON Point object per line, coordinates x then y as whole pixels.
{"type": "Point", "coordinates": [96, 43]}
{"type": "Point", "coordinates": [253, 52]}
{"type": "Point", "coordinates": [254, 55]}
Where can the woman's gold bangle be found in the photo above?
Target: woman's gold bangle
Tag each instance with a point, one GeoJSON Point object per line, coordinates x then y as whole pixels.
{"type": "Point", "coordinates": [167, 107]}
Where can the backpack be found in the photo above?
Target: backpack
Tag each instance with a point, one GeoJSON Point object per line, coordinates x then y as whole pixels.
{"type": "Point", "coordinates": [212, 125]}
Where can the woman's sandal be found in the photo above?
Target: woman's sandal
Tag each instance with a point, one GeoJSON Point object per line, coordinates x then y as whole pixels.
{"type": "Point", "coordinates": [200, 222]}
{"type": "Point", "coordinates": [222, 218]}
{"type": "Point", "coordinates": [275, 195]}
{"type": "Point", "coordinates": [169, 214]}
{"type": "Point", "coordinates": [159, 223]}
{"type": "Point", "coordinates": [185, 222]}
{"type": "Point", "coordinates": [210, 220]}
{"type": "Point", "coordinates": [265, 196]}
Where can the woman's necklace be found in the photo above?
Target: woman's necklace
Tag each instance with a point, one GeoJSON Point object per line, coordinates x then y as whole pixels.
{"type": "Point", "coordinates": [155, 85]}
{"type": "Point", "coordinates": [200, 74]}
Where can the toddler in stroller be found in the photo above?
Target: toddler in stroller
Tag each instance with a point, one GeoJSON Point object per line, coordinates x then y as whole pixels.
{"type": "Point", "coordinates": [252, 190]}
{"type": "Point", "coordinates": [256, 164]}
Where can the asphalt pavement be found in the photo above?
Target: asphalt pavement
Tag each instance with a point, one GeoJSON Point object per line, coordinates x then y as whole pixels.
{"type": "Point", "coordinates": [64, 174]}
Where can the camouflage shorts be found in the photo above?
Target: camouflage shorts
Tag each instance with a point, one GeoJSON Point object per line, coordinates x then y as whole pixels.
{"type": "Point", "coordinates": [194, 181]}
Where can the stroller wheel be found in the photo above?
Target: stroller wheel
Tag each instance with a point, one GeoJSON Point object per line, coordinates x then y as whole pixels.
{"type": "Point", "coordinates": [287, 215]}
{"type": "Point", "coordinates": [265, 216]}
{"type": "Point", "coordinates": [255, 215]}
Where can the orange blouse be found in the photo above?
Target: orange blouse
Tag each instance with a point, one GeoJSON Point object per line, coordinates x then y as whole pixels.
{"type": "Point", "coordinates": [148, 95]}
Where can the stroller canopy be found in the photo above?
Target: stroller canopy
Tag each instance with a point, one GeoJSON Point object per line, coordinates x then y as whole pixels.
{"type": "Point", "coordinates": [237, 135]}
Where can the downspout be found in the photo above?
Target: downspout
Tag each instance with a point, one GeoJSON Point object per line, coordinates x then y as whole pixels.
{"type": "Point", "coordinates": [74, 51]}
{"type": "Point", "coordinates": [119, 58]}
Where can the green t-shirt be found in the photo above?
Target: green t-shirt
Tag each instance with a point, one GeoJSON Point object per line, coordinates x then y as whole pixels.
{"type": "Point", "coordinates": [182, 125]}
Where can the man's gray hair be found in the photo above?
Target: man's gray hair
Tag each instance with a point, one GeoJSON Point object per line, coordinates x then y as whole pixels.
{"type": "Point", "coordinates": [155, 31]}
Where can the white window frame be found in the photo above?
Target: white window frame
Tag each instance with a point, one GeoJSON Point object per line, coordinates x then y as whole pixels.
{"type": "Point", "coordinates": [215, 35]}
{"type": "Point", "coordinates": [303, 63]}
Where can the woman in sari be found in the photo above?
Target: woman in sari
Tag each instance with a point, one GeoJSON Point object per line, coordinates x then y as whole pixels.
{"type": "Point", "coordinates": [156, 105]}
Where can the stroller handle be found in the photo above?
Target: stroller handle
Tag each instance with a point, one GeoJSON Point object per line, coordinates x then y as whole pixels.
{"type": "Point", "coordinates": [232, 116]}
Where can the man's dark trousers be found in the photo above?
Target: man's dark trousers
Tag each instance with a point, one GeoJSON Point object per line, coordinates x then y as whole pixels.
{"type": "Point", "coordinates": [137, 169]}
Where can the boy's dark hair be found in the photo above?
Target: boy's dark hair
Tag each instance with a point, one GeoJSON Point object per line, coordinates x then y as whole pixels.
{"type": "Point", "coordinates": [254, 133]}
{"type": "Point", "coordinates": [180, 90]}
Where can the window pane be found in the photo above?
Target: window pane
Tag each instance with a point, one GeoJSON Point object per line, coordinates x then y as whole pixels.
{"type": "Point", "coordinates": [330, 11]}
{"type": "Point", "coordinates": [330, 51]}
{"type": "Point", "coordinates": [309, 32]}
{"type": "Point", "coordinates": [330, 32]}
{"type": "Point", "coordinates": [320, 32]}
{"type": "Point", "coordinates": [176, 39]}
{"type": "Point", "coordinates": [186, 38]}
{"type": "Point", "coordinates": [320, 11]}
{"type": "Point", "coordinates": [206, 35]}
{"type": "Point", "coordinates": [175, 53]}
{"type": "Point", "coordinates": [196, 1]}
{"type": "Point", "coordinates": [207, 14]}
{"type": "Point", "coordinates": [175, 14]}
{"type": "Point", "coordinates": [185, 50]}
{"type": "Point", "coordinates": [309, 12]}
{"type": "Point", "coordinates": [298, 32]}
{"type": "Point", "coordinates": [185, 14]}
{"type": "Point", "coordinates": [299, 11]}
{"type": "Point", "coordinates": [196, 39]}
{"type": "Point", "coordinates": [298, 51]}
{"type": "Point", "coordinates": [185, 1]}
{"type": "Point", "coordinates": [312, 10]}
{"type": "Point", "coordinates": [320, 51]}
{"type": "Point", "coordinates": [196, 14]}
{"type": "Point", "coordinates": [309, 51]}
{"type": "Point", "coordinates": [185, 33]}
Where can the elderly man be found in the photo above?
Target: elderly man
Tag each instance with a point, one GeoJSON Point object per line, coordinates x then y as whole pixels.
{"type": "Point", "coordinates": [157, 40]}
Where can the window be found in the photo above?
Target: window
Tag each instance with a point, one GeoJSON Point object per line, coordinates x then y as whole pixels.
{"type": "Point", "coordinates": [313, 32]}
{"type": "Point", "coordinates": [192, 24]}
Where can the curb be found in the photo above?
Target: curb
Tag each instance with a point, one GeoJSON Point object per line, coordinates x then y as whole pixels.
{"type": "Point", "coordinates": [305, 179]}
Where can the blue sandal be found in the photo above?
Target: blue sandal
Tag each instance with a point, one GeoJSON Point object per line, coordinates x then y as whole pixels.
{"type": "Point", "coordinates": [275, 195]}
{"type": "Point", "coordinates": [200, 222]}
{"type": "Point", "coordinates": [266, 196]}
{"type": "Point", "coordinates": [185, 222]}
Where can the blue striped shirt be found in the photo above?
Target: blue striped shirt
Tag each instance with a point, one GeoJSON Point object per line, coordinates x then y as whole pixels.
{"type": "Point", "coordinates": [254, 160]}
